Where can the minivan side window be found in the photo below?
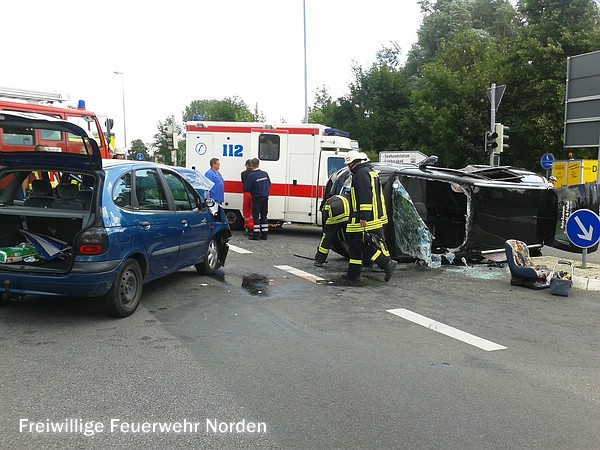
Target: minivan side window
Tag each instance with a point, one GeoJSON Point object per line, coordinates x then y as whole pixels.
{"type": "Point", "coordinates": [122, 192]}
{"type": "Point", "coordinates": [184, 197]}
{"type": "Point", "coordinates": [149, 190]}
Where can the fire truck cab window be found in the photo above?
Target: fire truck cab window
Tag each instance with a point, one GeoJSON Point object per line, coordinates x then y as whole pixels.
{"type": "Point", "coordinates": [268, 147]}
{"type": "Point", "coordinates": [51, 135]}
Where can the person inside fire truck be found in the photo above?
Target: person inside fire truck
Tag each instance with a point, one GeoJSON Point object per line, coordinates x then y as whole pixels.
{"type": "Point", "coordinates": [247, 201]}
{"type": "Point", "coordinates": [368, 215]}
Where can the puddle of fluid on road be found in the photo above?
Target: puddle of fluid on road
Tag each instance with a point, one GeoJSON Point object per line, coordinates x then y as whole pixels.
{"type": "Point", "coordinates": [256, 284]}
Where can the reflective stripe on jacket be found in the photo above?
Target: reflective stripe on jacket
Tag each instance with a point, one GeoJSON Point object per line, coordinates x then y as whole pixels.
{"type": "Point", "coordinates": [367, 200]}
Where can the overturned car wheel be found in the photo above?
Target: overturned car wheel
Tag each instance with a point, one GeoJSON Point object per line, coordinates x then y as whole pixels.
{"type": "Point", "coordinates": [124, 296]}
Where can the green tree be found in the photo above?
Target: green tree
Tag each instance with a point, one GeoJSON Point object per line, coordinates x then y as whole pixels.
{"type": "Point", "coordinates": [137, 146]}
{"type": "Point", "coordinates": [230, 109]}
{"type": "Point", "coordinates": [445, 19]}
{"type": "Point", "coordinates": [536, 63]}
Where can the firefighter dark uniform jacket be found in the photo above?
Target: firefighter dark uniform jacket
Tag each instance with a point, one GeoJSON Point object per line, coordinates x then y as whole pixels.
{"type": "Point", "coordinates": [366, 200]}
{"type": "Point", "coordinates": [258, 184]}
{"type": "Point", "coordinates": [337, 210]}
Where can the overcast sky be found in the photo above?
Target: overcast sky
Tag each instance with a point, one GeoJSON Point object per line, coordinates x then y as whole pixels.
{"type": "Point", "coordinates": [174, 52]}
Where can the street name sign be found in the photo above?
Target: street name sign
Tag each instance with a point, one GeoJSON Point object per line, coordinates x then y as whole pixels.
{"type": "Point", "coordinates": [402, 157]}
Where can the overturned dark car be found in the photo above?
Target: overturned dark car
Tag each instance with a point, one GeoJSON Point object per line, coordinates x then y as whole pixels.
{"type": "Point", "coordinates": [469, 212]}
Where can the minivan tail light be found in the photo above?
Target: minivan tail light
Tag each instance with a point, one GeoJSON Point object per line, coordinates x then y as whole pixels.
{"type": "Point", "coordinates": [93, 241]}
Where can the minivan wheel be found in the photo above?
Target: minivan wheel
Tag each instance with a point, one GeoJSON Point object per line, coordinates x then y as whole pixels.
{"type": "Point", "coordinates": [124, 296]}
{"type": "Point", "coordinates": [211, 259]}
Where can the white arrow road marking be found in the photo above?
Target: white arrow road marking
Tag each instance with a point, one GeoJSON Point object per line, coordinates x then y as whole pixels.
{"type": "Point", "coordinates": [447, 330]}
{"type": "Point", "coordinates": [238, 249]}
{"type": "Point", "coordinates": [587, 234]}
{"type": "Point", "coordinates": [300, 273]}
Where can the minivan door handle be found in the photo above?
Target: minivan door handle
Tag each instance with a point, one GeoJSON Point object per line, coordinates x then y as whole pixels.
{"type": "Point", "coordinates": [145, 225]}
{"type": "Point", "coordinates": [184, 223]}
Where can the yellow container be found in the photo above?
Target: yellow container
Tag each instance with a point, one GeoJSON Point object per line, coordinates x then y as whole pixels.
{"type": "Point", "coordinates": [575, 171]}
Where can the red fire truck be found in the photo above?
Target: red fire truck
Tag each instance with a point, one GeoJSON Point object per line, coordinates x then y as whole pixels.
{"type": "Point", "coordinates": [44, 103]}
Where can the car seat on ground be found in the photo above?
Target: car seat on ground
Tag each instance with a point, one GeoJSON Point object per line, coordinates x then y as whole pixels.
{"type": "Point", "coordinates": [522, 270]}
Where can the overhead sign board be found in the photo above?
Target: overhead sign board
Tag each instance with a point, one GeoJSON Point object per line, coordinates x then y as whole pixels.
{"type": "Point", "coordinates": [582, 109]}
{"type": "Point", "coordinates": [583, 228]}
{"type": "Point", "coordinates": [402, 157]}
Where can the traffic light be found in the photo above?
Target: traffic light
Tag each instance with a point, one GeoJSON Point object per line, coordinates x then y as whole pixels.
{"type": "Point", "coordinates": [171, 138]}
{"type": "Point", "coordinates": [491, 141]}
{"type": "Point", "coordinates": [502, 132]}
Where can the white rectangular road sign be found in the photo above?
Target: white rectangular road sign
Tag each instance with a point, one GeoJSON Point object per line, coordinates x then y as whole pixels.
{"type": "Point", "coordinates": [402, 157]}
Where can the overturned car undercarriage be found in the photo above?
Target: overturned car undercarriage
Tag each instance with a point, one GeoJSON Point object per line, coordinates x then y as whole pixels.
{"type": "Point", "coordinates": [435, 212]}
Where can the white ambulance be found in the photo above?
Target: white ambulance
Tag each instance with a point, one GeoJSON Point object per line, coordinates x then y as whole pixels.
{"type": "Point", "coordinates": [298, 158]}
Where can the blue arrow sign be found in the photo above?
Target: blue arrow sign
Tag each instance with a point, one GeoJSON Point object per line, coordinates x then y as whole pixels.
{"type": "Point", "coordinates": [583, 228]}
{"type": "Point", "coordinates": [547, 161]}
{"type": "Point", "coordinates": [139, 156]}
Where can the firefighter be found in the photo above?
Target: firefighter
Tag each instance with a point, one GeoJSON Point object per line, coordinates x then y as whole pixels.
{"type": "Point", "coordinates": [368, 215]}
{"type": "Point", "coordinates": [336, 211]}
{"type": "Point", "coordinates": [119, 153]}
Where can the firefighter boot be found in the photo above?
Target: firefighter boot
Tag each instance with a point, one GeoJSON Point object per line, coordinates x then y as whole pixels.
{"type": "Point", "coordinates": [389, 270]}
{"type": "Point", "coordinates": [254, 237]}
{"type": "Point", "coordinates": [353, 273]}
{"type": "Point", "coordinates": [263, 236]}
{"type": "Point", "coordinates": [320, 259]}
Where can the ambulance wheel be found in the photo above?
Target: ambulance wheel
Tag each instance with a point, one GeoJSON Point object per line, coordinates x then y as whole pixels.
{"type": "Point", "coordinates": [234, 219]}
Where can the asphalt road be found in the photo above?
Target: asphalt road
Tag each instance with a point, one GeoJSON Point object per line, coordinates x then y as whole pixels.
{"type": "Point", "coordinates": [320, 363]}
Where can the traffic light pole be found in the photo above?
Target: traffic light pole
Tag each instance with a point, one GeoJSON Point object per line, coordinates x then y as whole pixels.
{"type": "Point", "coordinates": [493, 120]}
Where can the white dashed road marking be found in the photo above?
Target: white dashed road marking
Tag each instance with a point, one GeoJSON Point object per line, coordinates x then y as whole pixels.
{"type": "Point", "coordinates": [447, 330]}
{"type": "Point", "coordinates": [238, 249]}
{"type": "Point", "coordinates": [300, 273]}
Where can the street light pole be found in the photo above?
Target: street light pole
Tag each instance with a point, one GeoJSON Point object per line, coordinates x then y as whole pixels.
{"type": "Point", "coordinates": [124, 121]}
{"type": "Point", "coordinates": [305, 69]}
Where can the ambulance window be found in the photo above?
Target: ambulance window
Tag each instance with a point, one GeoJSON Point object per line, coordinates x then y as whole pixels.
{"type": "Point", "coordinates": [334, 164]}
{"type": "Point", "coordinates": [268, 147]}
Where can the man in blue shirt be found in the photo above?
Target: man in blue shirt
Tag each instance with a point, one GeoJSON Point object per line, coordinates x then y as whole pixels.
{"type": "Point", "coordinates": [217, 192]}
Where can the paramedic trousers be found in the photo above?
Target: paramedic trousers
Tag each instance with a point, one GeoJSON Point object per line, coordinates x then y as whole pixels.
{"type": "Point", "coordinates": [247, 212]}
{"type": "Point", "coordinates": [260, 209]}
{"type": "Point", "coordinates": [360, 249]}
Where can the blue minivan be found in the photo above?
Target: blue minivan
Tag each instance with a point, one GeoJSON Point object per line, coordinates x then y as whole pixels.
{"type": "Point", "coordinates": [73, 224]}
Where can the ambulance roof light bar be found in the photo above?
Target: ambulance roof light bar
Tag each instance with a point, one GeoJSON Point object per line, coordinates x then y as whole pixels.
{"type": "Point", "coordinates": [335, 132]}
{"type": "Point", "coordinates": [33, 96]}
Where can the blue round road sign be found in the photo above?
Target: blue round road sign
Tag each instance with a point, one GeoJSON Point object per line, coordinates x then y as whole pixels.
{"type": "Point", "coordinates": [583, 228]}
{"type": "Point", "coordinates": [139, 156]}
{"type": "Point", "coordinates": [547, 161]}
